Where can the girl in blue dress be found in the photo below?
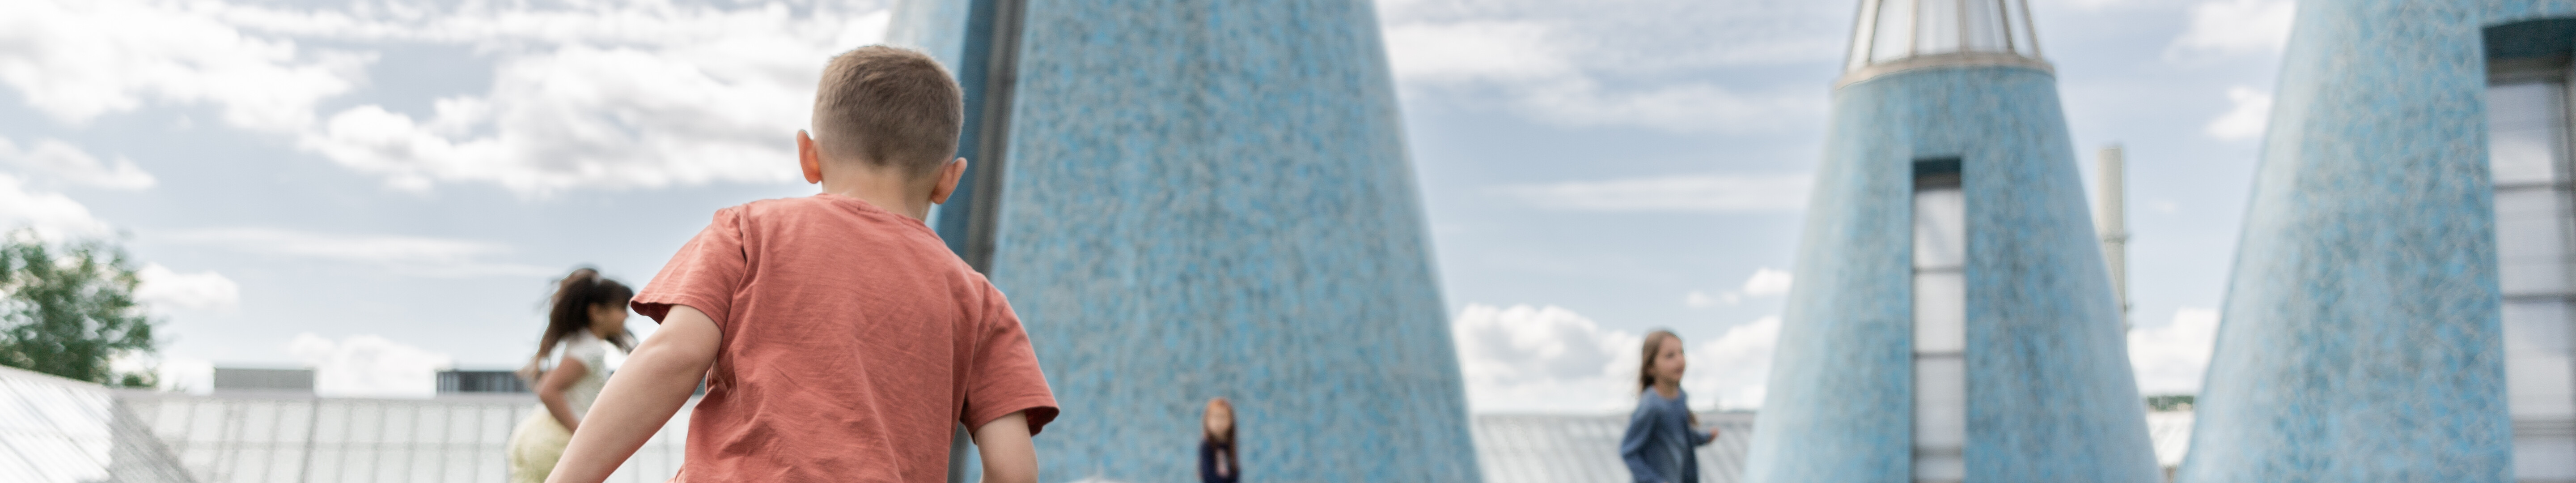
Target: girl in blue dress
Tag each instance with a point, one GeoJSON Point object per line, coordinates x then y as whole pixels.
{"type": "Point", "coordinates": [1662, 433]}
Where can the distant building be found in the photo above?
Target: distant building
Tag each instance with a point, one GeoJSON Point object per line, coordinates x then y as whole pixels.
{"type": "Point", "coordinates": [88, 433]}
{"type": "Point", "coordinates": [463, 381]}
{"type": "Point", "coordinates": [272, 438]}
{"type": "Point", "coordinates": [2400, 307]}
{"type": "Point", "coordinates": [1953, 319]}
{"type": "Point", "coordinates": [55, 430]}
{"type": "Point", "coordinates": [1188, 200]}
{"type": "Point", "coordinates": [233, 379]}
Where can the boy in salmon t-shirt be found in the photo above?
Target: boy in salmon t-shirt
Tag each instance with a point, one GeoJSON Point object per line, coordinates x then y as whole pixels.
{"type": "Point", "coordinates": [839, 338]}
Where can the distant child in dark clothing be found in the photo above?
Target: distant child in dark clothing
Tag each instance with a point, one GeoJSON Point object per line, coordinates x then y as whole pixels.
{"type": "Point", "coordinates": [1662, 433]}
{"type": "Point", "coordinates": [1217, 463]}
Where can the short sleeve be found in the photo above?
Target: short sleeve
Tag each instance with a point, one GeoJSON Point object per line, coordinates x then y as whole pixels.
{"type": "Point", "coordinates": [704, 275]}
{"type": "Point", "coordinates": [1005, 377]}
{"type": "Point", "coordinates": [586, 348]}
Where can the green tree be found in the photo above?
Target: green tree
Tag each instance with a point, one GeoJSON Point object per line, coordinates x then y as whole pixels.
{"type": "Point", "coordinates": [2170, 402]}
{"type": "Point", "coordinates": [66, 310]}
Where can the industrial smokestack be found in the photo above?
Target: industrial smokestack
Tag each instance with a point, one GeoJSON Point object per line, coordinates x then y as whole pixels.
{"type": "Point", "coordinates": [2112, 223]}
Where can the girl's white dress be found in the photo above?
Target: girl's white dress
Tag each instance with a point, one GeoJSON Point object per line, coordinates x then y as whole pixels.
{"type": "Point", "coordinates": [539, 440]}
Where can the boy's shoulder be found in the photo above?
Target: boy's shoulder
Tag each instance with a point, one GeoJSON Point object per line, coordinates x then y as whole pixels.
{"type": "Point", "coordinates": [773, 206]}
{"type": "Point", "coordinates": [738, 213]}
{"type": "Point", "coordinates": [836, 218]}
{"type": "Point", "coordinates": [792, 211]}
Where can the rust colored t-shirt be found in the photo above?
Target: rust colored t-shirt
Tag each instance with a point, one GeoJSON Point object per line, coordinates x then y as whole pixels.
{"type": "Point", "coordinates": [853, 341]}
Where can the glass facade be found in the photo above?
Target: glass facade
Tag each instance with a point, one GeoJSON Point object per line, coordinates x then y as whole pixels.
{"type": "Point", "coordinates": [55, 430]}
{"type": "Point", "coordinates": [287, 438]}
{"type": "Point", "coordinates": [1940, 325]}
{"type": "Point", "coordinates": [59, 431]}
{"type": "Point", "coordinates": [1891, 30]}
{"type": "Point", "coordinates": [2528, 153]}
{"type": "Point", "coordinates": [1584, 449]}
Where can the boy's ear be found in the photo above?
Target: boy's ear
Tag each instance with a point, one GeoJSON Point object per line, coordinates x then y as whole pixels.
{"type": "Point", "coordinates": [948, 176]}
{"type": "Point", "coordinates": [809, 157]}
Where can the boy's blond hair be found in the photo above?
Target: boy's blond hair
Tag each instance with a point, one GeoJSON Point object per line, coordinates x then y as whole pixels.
{"type": "Point", "coordinates": [888, 106]}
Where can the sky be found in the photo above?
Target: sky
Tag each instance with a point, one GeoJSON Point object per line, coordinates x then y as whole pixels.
{"type": "Point", "coordinates": [379, 188]}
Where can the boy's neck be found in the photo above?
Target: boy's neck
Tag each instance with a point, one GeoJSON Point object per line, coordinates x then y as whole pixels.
{"type": "Point", "coordinates": [887, 191]}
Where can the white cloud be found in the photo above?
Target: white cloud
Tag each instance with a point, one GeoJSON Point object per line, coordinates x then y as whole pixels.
{"type": "Point", "coordinates": [2235, 27]}
{"type": "Point", "coordinates": [403, 255]}
{"type": "Point", "coordinates": [52, 215]}
{"type": "Point", "coordinates": [1474, 50]}
{"type": "Point", "coordinates": [584, 95]}
{"type": "Point", "coordinates": [1544, 359]}
{"type": "Point", "coordinates": [1700, 300]}
{"type": "Point", "coordinates": [2246, 117]}
{"type": "Point", "coordinates": [1710, 193]}
{"type": "Point", "coordinates": [369, 366]}
{"type": "Point", "coordinates": [1734, 371]}
{"type": "Point", "coordinates": [1687, 107]}
{"type": "Point", "coordinates": [1588, 64]}
{"type": "Point", "coordinates": [78, 59]}
{"type": "Point", "coordinates": [1630, 36]}
{"type": "Point", "coordinates": [192, 376]}
{"type": "Point", "coordinates": [62, 161]}
{"type": "Point", "coordinates": [602, 116]}
{"type": "Point", "coordinates": [2170, 358]}
{"type": "Point", "coordinates": [24, 201]}
{"type": "Point", "coordinates": [1767, 282]}
{"type": "Point", "coordinates": [1549, 359]}
{"type": "Point", "coordinates": [168, 289]}
{"type": "Point", "coordinates": [708, 95]}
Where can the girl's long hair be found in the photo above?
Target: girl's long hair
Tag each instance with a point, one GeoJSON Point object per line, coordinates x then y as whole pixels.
{"type": "Point", "coordinates": [569, 312]}
{"type": "Point", "coordinates": [1646, 364]}
{"type": "Point", "coordinates": [1224, 442]}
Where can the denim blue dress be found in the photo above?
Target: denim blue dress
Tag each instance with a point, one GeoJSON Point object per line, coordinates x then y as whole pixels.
{"type": "Point", "coordinates": [1659, 443]}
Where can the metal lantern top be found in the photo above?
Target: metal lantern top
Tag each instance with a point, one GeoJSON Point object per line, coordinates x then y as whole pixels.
{"type": "Point", "coordinates": [1894, 35]}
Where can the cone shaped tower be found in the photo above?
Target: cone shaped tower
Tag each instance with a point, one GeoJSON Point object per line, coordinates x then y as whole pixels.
{"type": "Point", "coordinates": [2400, 305]}
{"type": "Point", "coordinates": [1186, 200]}
{"type": "Point", "coordinates": [1952, 319]}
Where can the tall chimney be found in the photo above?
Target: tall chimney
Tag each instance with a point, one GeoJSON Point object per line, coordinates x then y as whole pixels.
{"type": "Point", "coordinates": [2114, 227]}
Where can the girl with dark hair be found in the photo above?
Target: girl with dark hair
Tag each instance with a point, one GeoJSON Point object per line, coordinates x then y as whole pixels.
{"type": "Point", "coordinates": [1662, 432]}
{"type": "Point", "coordinates": [586, 315]}
{"type": "Point", "coordinates": [1217, 463]}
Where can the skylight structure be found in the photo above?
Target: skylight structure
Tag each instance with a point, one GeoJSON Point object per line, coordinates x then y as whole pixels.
{"type": "Point", "coordinates": [1894, 35]}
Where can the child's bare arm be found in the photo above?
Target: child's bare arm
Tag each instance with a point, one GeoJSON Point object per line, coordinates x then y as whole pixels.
{"type": "Point", "coordinates": [550, 391]}
{"type": "Point", "coordinates": [654, 382]}
{"type": "Point", "coordinates": [1004, 446]}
